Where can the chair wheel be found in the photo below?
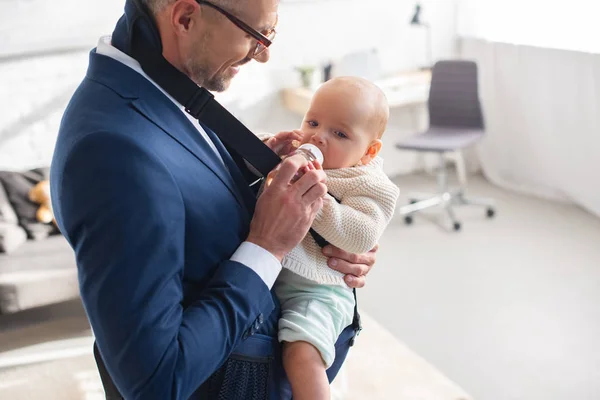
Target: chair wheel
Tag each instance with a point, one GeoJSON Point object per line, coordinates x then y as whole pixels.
{"type": "Point", "coordinates": [457, 226]}
{"type": "Point", "coordinates": [490, 213]}
{"type": "Point", "coordinates": [412, 201]}
{"type": "Point", "coordinates": [408, 219]}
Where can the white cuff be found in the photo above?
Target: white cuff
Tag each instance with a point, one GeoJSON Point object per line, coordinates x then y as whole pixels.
{"type": "Point", "coordinates": [265, 264]}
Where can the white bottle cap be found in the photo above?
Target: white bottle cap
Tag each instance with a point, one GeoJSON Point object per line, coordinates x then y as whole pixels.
{"type": "Point", "coordinates": [316, 152]}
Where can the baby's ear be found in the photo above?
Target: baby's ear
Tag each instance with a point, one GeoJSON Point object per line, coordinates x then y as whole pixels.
{"type": "Point", "coordinates": [372, 151]}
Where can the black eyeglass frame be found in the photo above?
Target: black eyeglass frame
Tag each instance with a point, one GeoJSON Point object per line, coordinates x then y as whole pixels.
{"type": "Point", "coordinates": [264, 41]}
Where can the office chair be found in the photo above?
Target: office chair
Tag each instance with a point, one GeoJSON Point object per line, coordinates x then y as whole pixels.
{"type": "Point", "coordinates": [455, 122]}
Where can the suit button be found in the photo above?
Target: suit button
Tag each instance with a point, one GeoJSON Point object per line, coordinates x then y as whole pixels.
{"type": "Point", "coordinates": [261, 318]}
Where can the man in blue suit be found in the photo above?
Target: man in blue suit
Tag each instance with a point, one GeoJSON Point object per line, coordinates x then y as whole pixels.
{"type": "Point", "coordinates": [176, 257]}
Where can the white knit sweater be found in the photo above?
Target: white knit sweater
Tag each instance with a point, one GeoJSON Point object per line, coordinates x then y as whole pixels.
{"type": "Point", "coordinates": [367, 203]}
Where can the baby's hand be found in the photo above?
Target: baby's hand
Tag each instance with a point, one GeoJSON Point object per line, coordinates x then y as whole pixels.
{"type": "Point", "coordinates": [285, 142]}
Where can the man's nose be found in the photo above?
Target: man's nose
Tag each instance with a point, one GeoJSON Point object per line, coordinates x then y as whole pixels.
{"type": "Point", "coordinates": [264, 56]}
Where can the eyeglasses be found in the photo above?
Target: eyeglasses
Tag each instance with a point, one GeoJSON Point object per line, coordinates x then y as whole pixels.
{"type": "Point", "coordinates": [263, 40]}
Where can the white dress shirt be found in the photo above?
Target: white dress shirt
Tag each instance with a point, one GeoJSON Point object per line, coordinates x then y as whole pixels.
{"type": "Point", "coordinates": [265, 264]}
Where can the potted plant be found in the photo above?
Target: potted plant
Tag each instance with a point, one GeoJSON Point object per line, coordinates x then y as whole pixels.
{"type": "Point", "coordinates": [307, 73]}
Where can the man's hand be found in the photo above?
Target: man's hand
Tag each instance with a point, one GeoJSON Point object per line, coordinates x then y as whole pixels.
{"type": "Point", "coordinates": [355, 266]}
{"type": "Point", "coordinates": [285, 211]}
{"type": "Point", "coordinates": [284, 143]}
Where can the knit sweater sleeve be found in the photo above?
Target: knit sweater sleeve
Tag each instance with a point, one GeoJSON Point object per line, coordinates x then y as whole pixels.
{"type": "Point", "coordinates": [366, 206]}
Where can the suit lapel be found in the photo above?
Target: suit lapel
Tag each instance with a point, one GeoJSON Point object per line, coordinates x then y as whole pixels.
{"type": "Point", "coordinates": [147, 98]}
{"type": "Point", "coordinates": [234, 170]}
{"type": "Point", "coordinates": [172, 121]}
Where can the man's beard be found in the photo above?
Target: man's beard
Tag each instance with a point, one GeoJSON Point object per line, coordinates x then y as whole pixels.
{"type": "Point", "coordinates": [198, 72]}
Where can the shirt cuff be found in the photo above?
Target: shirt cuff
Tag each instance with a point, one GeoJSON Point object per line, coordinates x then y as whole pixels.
{"type": "Point", "coordinates": [265, 264]}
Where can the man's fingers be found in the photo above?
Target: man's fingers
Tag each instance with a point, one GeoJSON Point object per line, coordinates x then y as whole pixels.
{"type": "Point", "coordinates": [355, 274]}
{"type": "Point", "coordinates": [355, 282]}
{"type": "Point", "coordinates": [314, 193]}
{"type": "Point", "coordinates": [309, 180]}
{"type": "Point", "coordinates": [334, 252]}
{"type": "Point", "coordinates": [353, 266]}
{"type": "Point", "coordinates": [316, 205]}
{"type": "Point", "coordinates": [348, 268]}
{"type": "Point", "coordinates": [287, 169]}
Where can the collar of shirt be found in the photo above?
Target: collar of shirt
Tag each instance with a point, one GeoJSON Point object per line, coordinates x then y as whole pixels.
{"type": "Point", "coordinates": [105, 48]}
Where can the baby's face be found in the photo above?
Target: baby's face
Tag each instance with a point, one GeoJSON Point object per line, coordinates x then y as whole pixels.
{"type": "Point", "coordinates": [339, 125]}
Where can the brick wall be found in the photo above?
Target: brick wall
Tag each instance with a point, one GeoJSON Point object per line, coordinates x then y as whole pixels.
{"type": "Point", "coordinates": [35, 92]}
{"type": "Point", "coordinates": [40, 68]}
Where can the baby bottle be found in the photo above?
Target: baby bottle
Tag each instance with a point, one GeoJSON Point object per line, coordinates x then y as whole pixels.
{"type": "Point", "coordinates": [310, 152]}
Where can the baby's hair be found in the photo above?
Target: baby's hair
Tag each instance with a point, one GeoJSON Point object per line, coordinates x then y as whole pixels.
{"type": "Point", "coordinates": [373, 95]}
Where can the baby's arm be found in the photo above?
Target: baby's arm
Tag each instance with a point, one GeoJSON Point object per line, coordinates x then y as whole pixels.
{"type": "Point", "coordinates": [356, 224]}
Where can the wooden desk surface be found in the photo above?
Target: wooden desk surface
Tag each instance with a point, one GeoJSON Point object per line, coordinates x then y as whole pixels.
{"type": "Point", "coordinates": [402, 90]}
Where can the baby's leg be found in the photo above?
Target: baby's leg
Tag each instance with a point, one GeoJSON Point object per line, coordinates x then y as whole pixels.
{"type": "Point", "coordinates": [308, 334]}
{"type": "Point", "coordinates": [312, 317]}
{"type": "Point", "coordinates": [306, 371]}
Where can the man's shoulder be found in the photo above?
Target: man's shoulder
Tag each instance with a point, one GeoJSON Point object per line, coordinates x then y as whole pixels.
{"type": "Point", "coordinates": [107, 85]}
{"type": "Point", "coordinates": [96, 112]}
{"type": "Point", "coordinates": [92, 109]}
{"type": "Point", "coordinates": [103, 104]}
{"type": "Point", "coordinates": [116, 77]}
{"type": "Point", "coordinates": [93, 101]}
{"type": "Point", "coordinates": [106, 91]}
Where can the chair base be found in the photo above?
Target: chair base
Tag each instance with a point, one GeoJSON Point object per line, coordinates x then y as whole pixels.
{"type": "Point", "coordinates": [445, 199]}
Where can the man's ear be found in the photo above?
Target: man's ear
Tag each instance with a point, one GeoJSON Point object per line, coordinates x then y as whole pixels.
{"type": "Point", "coordinates": [182, 15]}
{"type": "Point", "coordinates": [371, 152]}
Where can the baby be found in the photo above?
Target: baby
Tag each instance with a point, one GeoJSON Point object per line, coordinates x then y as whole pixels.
{"type": "Point", "coordinates": [346, 120]}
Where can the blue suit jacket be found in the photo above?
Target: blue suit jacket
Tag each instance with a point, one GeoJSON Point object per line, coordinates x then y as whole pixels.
{"type": "Point", "coordinates": [153, 217]}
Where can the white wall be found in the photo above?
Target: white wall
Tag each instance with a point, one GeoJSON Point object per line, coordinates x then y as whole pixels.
{"type": "Point", "coordinates": [559, 24]}
{"type": "Point", "coordinates": [43, 56]}
{"type": "Point", "coordinates": [42, 25]}
{"type": "Point", "coordinates": [35, 90]}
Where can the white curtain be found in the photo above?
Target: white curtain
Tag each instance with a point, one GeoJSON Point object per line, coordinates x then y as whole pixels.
{"type": "Point", "coordinates": [560, 24]}
{"type": "Point", "coordinates": [542, 110]}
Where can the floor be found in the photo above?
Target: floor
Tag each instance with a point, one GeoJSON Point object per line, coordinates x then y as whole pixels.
{"type": "Point", "coordinates": [507, 308]}
{"type": "Point", "coordinates": [65, 369]}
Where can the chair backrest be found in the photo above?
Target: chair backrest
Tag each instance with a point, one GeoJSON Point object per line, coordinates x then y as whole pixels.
{"type": "Point", "coordinates": [454, 95]}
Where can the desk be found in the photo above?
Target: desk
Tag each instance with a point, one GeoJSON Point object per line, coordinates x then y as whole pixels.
{"type": "Point", "coordinates": [402, 90]}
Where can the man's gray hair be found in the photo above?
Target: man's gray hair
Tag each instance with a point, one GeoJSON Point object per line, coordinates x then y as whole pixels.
{"type": "Point", "coordinates": [157, 6]}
